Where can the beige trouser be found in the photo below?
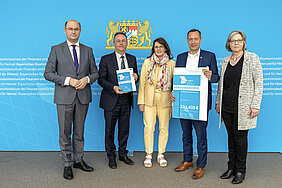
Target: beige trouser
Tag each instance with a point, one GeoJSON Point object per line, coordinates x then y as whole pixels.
{"type": "Point", "coordinates": [150, 114]}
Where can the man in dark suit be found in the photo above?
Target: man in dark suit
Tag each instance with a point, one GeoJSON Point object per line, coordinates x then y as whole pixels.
{"type": "Point", "coordinates": [193, 59]}
{"type": "Point", "coordinates": [116, 104]}
{"type": "Point", "coordinates": [71, 66]}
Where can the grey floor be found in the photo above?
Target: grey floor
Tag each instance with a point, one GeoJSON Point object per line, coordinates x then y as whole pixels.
{"type": "Point", "coordinates": [43, 169]}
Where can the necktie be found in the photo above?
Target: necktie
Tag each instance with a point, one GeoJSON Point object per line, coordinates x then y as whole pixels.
{"type": "Point", "coordinates": [122, 65]}
{"type": "Point", "coordinates": [75, 57]}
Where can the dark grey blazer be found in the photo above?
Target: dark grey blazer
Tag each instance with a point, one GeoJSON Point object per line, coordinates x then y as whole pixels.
{"type": "Point", "coordinates": [60, 65]}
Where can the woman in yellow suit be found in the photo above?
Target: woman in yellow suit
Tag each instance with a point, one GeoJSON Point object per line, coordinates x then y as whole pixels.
{"type": "Point", "coordinates": [154, 98]}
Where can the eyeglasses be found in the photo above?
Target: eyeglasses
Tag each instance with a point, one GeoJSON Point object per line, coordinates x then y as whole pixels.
{"type": "Point", "coordinates": [159, 47]}
{"type": "Point", "coordinates": [73, 29]}
{"type": "Point", "coordinates": [236, 41]}
{"type": "Point", "coordinates": [120, 41]}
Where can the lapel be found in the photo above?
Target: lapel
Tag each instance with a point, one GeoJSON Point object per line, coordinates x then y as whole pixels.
{"type": "Point", "coordinates": [224, 65]}
{"type": "Point", "coordinates": [82, 56]}
{"type": "Point", "coordinates": [66, 52]}
{"type": "Point", "coordinates": [184, 60]}
{"type": "Point", "coordinates": [245, 65]}
{"type": "Point", "coordinates": [223, 68]}
{"type": "Point", "coordinates": [200, 63]}
{"type": "Point", "coordinates": [128, 61]}
{"type": "Point", "coordinates": [114, 61]}
{"type": "Point", "coordinates": [114, 65]}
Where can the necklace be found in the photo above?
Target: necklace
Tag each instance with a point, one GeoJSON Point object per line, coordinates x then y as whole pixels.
{"type": "Point", "coordinates": [235, 58]}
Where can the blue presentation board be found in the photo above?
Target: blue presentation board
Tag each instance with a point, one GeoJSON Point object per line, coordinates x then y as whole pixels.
{"type": "Point", "coordinates": [125, 80]}
{"type": "Point", "coordinates": [189, 109]}
{"type": "Point", "coordinates": [187, 99]}
{"type": "Point", "coordinates": [28, 117]}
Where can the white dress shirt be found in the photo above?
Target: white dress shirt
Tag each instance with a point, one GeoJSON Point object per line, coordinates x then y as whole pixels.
{"type": "Point", "coordinates": [119, 59]}
{"type": "Point", "coordinates": [193, 60]}
{"type": "Point", "coordinates": [76, 48]}
{"type": "Point", "coordinates": [67, 80]}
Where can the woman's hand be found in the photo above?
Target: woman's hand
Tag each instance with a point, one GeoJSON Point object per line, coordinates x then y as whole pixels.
{"type": "Point", "coordinates": [253, 112]}
{"type": "Point", "coordinates": [142, 107]}
{"type": "Point", "coordinates": [217, 108]}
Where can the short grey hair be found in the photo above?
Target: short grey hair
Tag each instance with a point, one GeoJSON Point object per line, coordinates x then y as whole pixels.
{"type": "Point", "coordinates": [227, 45]}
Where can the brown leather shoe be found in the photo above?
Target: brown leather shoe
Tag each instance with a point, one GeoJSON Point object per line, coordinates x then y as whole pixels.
{"type": "Point", "coordinates": [199, 172]}
{"type": "Point", "coordinates": [183, 166]}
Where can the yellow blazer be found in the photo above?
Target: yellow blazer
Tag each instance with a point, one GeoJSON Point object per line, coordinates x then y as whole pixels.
{"type": "Point", "coordinates": [146, 91]}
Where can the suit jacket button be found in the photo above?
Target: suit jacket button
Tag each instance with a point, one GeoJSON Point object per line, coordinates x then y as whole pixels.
{"type": "Point", "coordinates": [240, 96]}
{"type": "Point", "coordinates": [76, 74]}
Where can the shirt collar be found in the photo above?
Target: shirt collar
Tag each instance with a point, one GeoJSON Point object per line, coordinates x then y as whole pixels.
{"type": "Point", "coordinates": [69, 43]}
{"type": "Point", "coordinates": [118, 55]}
{"type": "Point", "coordinates": [194, 55]}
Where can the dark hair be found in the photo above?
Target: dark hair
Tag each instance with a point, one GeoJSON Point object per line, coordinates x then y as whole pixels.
{"type": "Point", "coordinates": [163, 42]}
{"type": "Point", "coordinates": [72, 20]}
{"type": "Point", "coordinates": [119, 33]}
{"type": "Point", "coordinates": [194, 30]}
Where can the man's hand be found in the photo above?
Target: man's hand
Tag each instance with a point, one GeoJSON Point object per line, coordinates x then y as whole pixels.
{"type": "Point", "coordinates": [73, 82]}
{"type": "Point", "coordinates": [253, 112]}
{"type": "Point", "coordinates": [217, 108]}
{"type": "Point", "coordinates": [142, 107]}
{"type": "Point", "coordinates": [172, 97]}
{"type": "Point", "coordinates": [135, 76]}
{"type": "Point", "coordinates": [117, 90]}
{"type": "Point", "coordinates": [208, 73]}
{"type": "Point", "coordinates": [80, 84]}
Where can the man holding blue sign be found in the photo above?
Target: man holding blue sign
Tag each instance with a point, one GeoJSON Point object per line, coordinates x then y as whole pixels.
{"type": "Point", "coordinates": [115, 102]}
{"type": "Point", "coordinates": [193, 59]}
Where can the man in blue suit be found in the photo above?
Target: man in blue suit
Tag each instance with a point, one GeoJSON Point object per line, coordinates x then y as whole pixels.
{"type": "Point", "coordinates": [193, 59]}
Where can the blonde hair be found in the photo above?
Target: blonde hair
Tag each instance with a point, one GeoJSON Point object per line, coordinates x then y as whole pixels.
{"type": "Point", "coordinates": [227, 45]}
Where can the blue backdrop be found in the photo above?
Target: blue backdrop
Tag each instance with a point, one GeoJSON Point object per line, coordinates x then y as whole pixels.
{"type": "Point", "coordinates": [28, 118]}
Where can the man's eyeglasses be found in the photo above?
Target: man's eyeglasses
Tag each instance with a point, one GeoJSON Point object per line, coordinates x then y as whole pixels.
{"type": "Point", "coordinates": [73, 29]}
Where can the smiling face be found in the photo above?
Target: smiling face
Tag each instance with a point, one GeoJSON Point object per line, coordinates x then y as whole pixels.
{"type": "Point", "coordinates": [194, 40]}
{"type": "Point", "coordinates": [72, 31]}
{"type": "Point", "coordinates": [159, 50]}
{"type": "Point", "coordinates": [236, 43]}
{"type": "Point", "coordinates": [120, 44]}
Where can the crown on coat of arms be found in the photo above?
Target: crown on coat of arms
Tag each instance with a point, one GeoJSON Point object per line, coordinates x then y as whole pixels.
{"type": "Point", "coordinates": [138, 34]}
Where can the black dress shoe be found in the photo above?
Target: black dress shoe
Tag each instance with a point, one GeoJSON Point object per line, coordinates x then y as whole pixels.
{"type": "Point", "coordinates": [83, 166]}
{"type": "Point", "coordinates": [126, 160]}
{"type": "Point", "coordinates": [239, 177]}
{"type": "Point", "coordinates": [112, 163]}
{"type": "Point", "coordinates": [227, 174]}
{"type": "Point", "coordinates": [68, 173]}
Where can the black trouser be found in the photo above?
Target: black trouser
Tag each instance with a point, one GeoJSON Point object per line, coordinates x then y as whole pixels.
{"type": "Point", "coordinates": [121, 112]}
{"type": "Point", "coordinates": [237, 143]}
